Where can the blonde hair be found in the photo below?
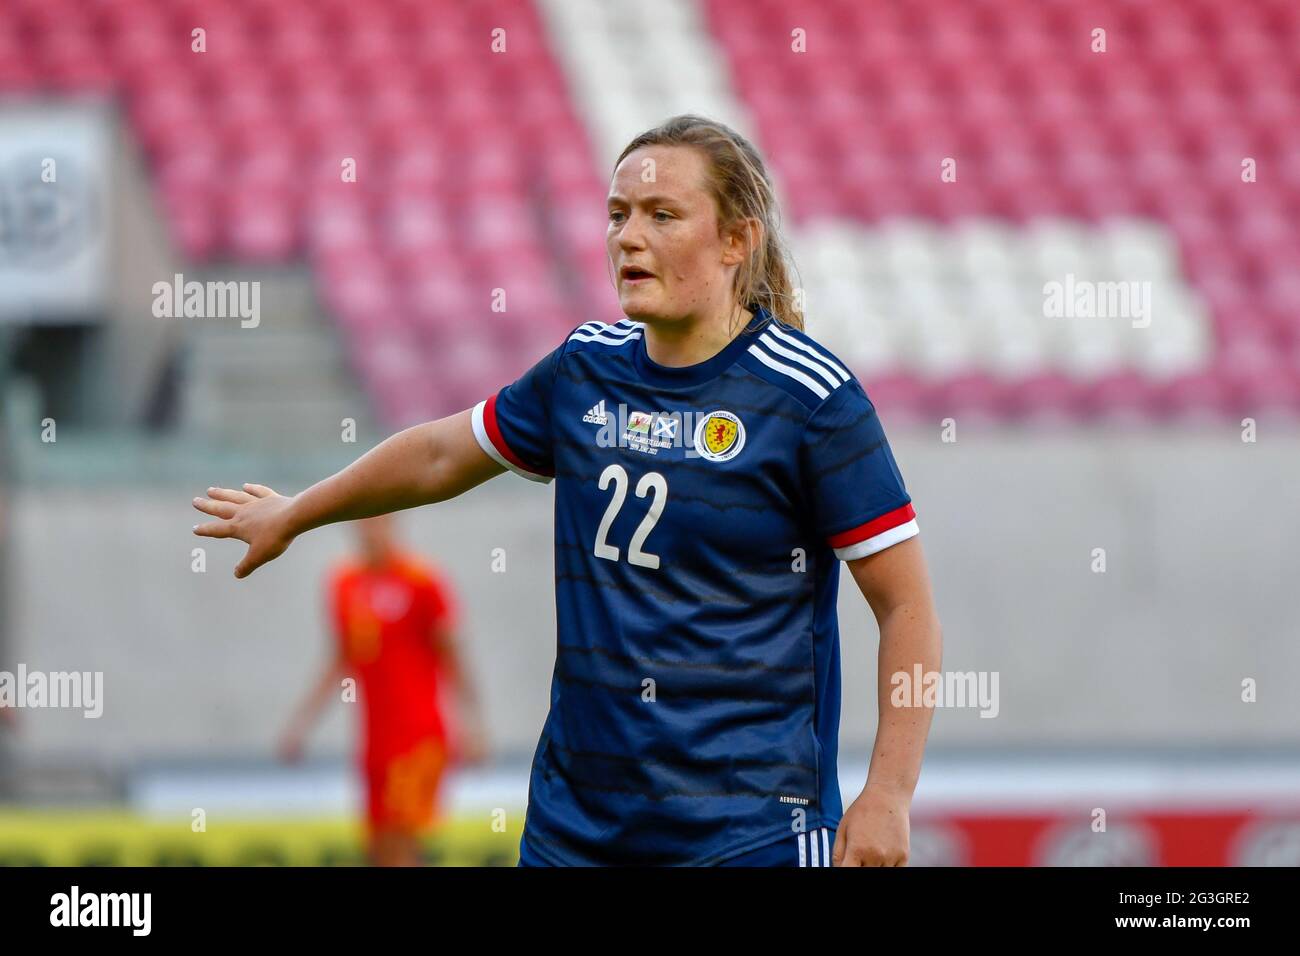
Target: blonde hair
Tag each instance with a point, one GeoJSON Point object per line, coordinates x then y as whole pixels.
{"type": "Point", "coordinates": [738, 181]}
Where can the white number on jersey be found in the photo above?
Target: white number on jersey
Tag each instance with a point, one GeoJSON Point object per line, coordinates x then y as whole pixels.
{"type": "Point", "coordinates": [650, 482]}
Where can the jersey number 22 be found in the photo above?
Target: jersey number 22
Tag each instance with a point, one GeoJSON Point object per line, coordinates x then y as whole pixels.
{"type": "Point", "coordinates": [651, 481]}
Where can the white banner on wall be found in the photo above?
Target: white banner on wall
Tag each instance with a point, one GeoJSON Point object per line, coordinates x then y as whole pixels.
{"type": "Point", "coordinates": [55, 161]}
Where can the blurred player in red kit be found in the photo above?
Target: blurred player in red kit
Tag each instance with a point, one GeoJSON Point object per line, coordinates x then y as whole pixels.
{"type": "Point", "coordinates": [394, 620]}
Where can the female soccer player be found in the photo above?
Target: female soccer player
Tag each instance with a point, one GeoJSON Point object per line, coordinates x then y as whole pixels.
{"type": "Point", "coordinates": [713, 465]}
{"type": "Point", "coordinates": [394, 621]}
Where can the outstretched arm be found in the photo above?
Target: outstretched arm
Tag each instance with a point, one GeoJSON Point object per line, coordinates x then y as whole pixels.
{"type": "Point", "coordinates": [875, 830]}
{"type": "Point", "coordinates": [423, 464]}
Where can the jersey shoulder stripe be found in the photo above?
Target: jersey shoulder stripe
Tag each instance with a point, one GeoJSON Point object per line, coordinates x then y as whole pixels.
{"type": "Point", "coordinates": [798, 358]}
{"type": "Point", "coordinates": [622, 325]}
{"type": "Point", "coordinates": [618, 334]}
{"type": "Point", "coordinates": [792, 360]}
{"type": "Point", "coordinates": [804, 344]}
{"type": "Point", "coordinates": [788, 371]}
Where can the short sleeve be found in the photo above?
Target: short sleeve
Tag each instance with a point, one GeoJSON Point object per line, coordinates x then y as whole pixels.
{"type": "Point", "coordinates": [514, 425]}
{"type": "Point", "coordinates": [860, 504]}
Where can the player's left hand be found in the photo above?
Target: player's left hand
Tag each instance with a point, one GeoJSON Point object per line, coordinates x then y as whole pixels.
{"type": "Point", "coordinates": [874, 830]}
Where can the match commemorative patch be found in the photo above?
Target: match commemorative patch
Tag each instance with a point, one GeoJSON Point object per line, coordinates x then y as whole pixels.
{"type": "Point", "coordinates": [719, 436]}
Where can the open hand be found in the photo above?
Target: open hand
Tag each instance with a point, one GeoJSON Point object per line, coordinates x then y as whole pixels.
{"type": "Point", "coordinates": [257, 516]}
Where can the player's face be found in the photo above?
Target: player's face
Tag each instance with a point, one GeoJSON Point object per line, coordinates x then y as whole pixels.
{"type": "Point", "coordinates": [669, 260]}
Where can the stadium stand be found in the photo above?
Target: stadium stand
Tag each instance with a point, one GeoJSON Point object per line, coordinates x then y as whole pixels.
{"type": "Point", "coordinates": [476, 172]}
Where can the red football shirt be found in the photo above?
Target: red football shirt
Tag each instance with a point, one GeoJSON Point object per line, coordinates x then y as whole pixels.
{"type": "Point", "coordinates": [384, 619]}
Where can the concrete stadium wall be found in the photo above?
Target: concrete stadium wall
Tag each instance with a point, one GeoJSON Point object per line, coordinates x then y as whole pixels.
{"type": "Point", "coordinates": [1199, 594]}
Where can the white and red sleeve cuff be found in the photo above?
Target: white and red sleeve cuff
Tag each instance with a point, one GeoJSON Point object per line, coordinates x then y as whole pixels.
{"type": "Point", "coordinates": [488, 434]}
{"type": "Point", "coordinates": [876, 534]}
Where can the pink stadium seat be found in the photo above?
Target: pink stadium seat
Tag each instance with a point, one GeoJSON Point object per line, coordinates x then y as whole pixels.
{"type": "Point", "coordinates": [263, 224]}
{"type": "Point", "coordinates": [195, 227]}
{"type": "Point", "coordinates": [1049, 396]}
{"type": "Point", "coordinates": [972, 395]}
{"type": "Point", "coordinates": [1117, 396]}
{"type": "Point", "coordinates": [1196, 396]}
{"type": "Point", "coordinates": [902, 394]}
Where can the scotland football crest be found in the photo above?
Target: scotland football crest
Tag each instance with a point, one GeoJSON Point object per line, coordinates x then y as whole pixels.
{"type": "Point", "coordinates": [719, 436]}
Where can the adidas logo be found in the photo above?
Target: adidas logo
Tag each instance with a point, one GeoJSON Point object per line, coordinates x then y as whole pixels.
{"type": "Point", "coordinates": [596, 414]}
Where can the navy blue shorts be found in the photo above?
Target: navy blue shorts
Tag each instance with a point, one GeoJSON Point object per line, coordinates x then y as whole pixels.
{"type": "Point", "coordinates": [812, 848]}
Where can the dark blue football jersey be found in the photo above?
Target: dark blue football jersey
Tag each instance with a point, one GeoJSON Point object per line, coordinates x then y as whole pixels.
{"type": "Point", "coordinates": [700, 517]}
